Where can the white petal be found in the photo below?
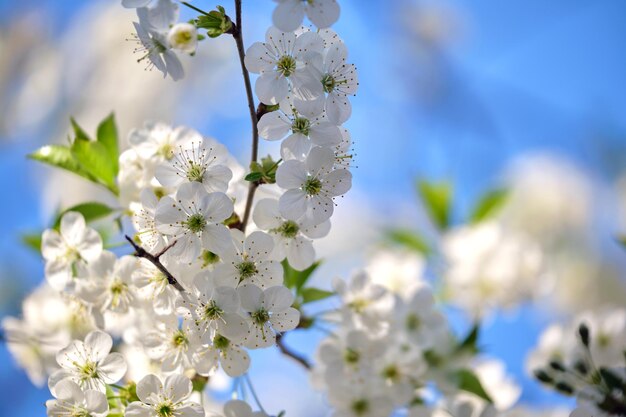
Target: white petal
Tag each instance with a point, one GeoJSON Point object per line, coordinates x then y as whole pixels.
{"type": "Point", "coordinates": [52, 245]}
{"type": "Point", "coordinates": [217, 207]}
{"type": "Point", "coordinates": [174, 66]}
{"type": "Point", "coordinates": [112, 368]}
{"type": "Point", "coordinates": [133, 4]}
{"type": "Point", "coordinates": [325, 134]}
{"type": "Point", "coordinates": [320, 160]}
{"type": "Point", "coordinates": [323, 13]}
{"type": "Point", "coordinates": [271, 87]}
{"type": "Point", "coordinates": [235, 362]}
{"type": "Point", "coordinates": [98, 344]}
{"type": "Point", "coordinates": [277, 298]}
{"type": "Point", "coordinates": [296, 146]}
{"type": "Point", "coordinates": [300, 253]}
{"type": "Point", "coordinates": [266, 215]}
{"type": "Point", "coordinates": [291, 174]}
{"type": "Point", "coordinates": [177, 387]}
{"type": "Point", "coordinates": [285, 320]}
{"type": "Point", "coordinates": [251, 297]}
{"type": "Point", "coordinates": [338, 182]}
{"type": "Point", "coordinates": [147, 387]}
{"type": "Point", "coordinates": [190, 410]}
{"type": "Point", "coordinates": [258, 245]}
{"type": "Point", "coordinates": [137, 409]}
{"type": "Point", "coordinates": [258, 58]}
{"type": "Point", "coordinates": [293, 204]}
{"type": "Point", "coordinates": [216, 238]}
{"type": "Point", "coordinates": [288, 15]}
{"type": "Point", "coordinates": [274, 125]}
{"type": "Point", "coordinates": [96, 402]}
{"type": "Point", "coordinates": [237, 408]}
{"type": "Point", "coordinates": [73, 227]}
{"type": "Point", "coordinates": [338, 108]}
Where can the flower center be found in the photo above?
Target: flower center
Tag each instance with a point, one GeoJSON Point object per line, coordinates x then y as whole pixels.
{"type": "Point", "coordinates": [260, 317]}
{"type": "Point", "coordinates": [166, 151]}
{"type": "Point", "coordinates": [351, 356]}
{"type": "Point", "coordinates": [196, 223]}
{"type": "Point", "coordinates": [412, 322]}
{"type": "Point", "coordinates": [165, 409]}
{"type": "Point", "coordinates": [212, 311]}
{"type": "Point", "coordinates": [247, 269]}
{"type": "Point", "coordinates": [288, 229]}
{"type": "Point", "coordinates": [208, 258]}
{"type": "Point", "coordinates": [391, 372]}
{"type": "Point", "coordinates": [358, 305]}
{"type": "Point", "coordinates": [360, 407]}
{"type": "Point", "coordinates": [301, 125]}
{"type": "Point", "coordinates": [328, 83]}
{"type": "Point", "coordinates": [286, 65]}
{"type": "Point", "coordinates": [195, 172]}
{"type": "Point", "coordinates": [88, 370]}
{"type": "Point", "coordinates": [312, 186]}
{"type": "Point", "coordinates": [183, 37]}
{"type": "Point", "coordinates": [220, 342]}
{"type": "Point", "coordinates": [180, 339]}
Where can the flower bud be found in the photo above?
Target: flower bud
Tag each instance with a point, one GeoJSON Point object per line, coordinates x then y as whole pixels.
{"type": "Point", "coordinates": [184, 37]}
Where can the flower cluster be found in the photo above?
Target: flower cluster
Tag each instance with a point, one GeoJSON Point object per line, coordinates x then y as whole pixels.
{"type": "Point", "coordinates": [585, 359]}
{"type": "Point", "coordinates": [158, 35]}
{"type": "Point", "coordinates": [393, 349]}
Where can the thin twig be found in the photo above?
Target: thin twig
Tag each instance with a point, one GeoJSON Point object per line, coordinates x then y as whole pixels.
{"type": "Point", "coordinates": [156, 261]}
{"type": "Point", "coordinates": [288, 352]}
{"type": "Point", "coordinates": [238, 36]}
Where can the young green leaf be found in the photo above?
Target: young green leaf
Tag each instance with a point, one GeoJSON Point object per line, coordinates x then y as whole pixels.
{"type": "Point", "coordinates": [311, 294]}
{"type": "Point", "coordinates": [296, 279]}
{"type": "Point", "coordinates": [489, 205]}
{"type": "Point", "coordinates": [61, 157]}
{"type": "Point", "coordinates": [107, 136]}
{"type": "Point", "coordinates": [437, 198]}
{"type": "Point", "coordinates": [468, 381]}
{"type": "Point", "coordinates": [470, 342]}
{"type": "Point", "coordinates": [91, 211]}
{"type": "Point", "coordinates": [94, 158]}
{"type": "Point", "coordinates": [409, 240]}
{"type": "Point", "coordinates": [32, 240]}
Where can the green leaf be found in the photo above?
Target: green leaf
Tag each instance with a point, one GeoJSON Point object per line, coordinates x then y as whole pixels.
{"type": "Point", "coordinates": [107, 136]}
{"type": "Point", "coordinates": [311, 294]}
{"type": "Point", "coordinates": [468, 381]}
{"type": "Point", "coordinates": [437, 198]}
{"type": "Point", "coordinates": [470, 343]}
{"type": "Point", "coordinates": [94, 157]}
{"type": "Point", "coordinates": [91, 211]}
{"type": "Point", "coordinates": [295, 279]}
{"type": "Point", "coordinates": [78, 131]}
{"type": "Point", "coordinates": [61, 157]}
{"type": "Point", "coordinates": [32, 240]}
{"type": "Point", "coordinates": [409, 240]}
{"type": "Point", "coordinates": [489, 205]}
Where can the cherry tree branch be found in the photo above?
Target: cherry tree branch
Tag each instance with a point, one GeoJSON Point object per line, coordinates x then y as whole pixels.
{"type": "Point", "coordinates": [238, 36]}
{"type": "Point", "coordinates": [280, 343]}
{"type": "Point", "coordinates": [156, 261]}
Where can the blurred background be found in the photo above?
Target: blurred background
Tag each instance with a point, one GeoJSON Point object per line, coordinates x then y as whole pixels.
{"type": "Point", "coordinates": [482, 94]}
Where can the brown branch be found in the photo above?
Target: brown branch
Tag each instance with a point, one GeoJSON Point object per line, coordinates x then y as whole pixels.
{"type": "Point", "coordinates": [156, 261]}
{"type": "Point", "coordinates": [238, 36]}
{"type": "Point", "coordinates": [288, 352]}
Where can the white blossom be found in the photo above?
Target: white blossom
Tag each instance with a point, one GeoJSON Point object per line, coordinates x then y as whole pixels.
{"type": "Point", "coordinates": [89, 363]}
{"type": "Point", "coordinates": [289, 14]}
{"type": "Point", "coordinates": [164, 398]}
{"type": "Point", "coordinates": [72, 401]}
{"type": "Point", "coordinates": [74, 243]}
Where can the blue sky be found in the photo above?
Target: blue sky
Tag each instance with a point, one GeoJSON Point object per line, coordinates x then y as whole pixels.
{"type": "Point", "coordinates": [522, 76]}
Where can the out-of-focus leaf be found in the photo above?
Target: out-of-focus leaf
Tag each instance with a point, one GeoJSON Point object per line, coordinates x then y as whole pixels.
{"type": "Point", "coordinates": [32, 240]}
{"type": "Point", "coordinates": [470, 342]}
{"type": "Point", "coordinates": [94, 158]}
{"type": "Point", "coordinates": [489, 205]}
{"type": "Point", "coordinates": [437, 198]}
{"type": "Point", "coordinates": [311, 294]}
{"type": "Point", "coordinates": [468, 381]}
{"type": "Point", "coordinates": [91, 211]}
{"type": "Point", "coordinates": [296, 279]}
{"type": "Point", "coordinates": [410, 240]}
